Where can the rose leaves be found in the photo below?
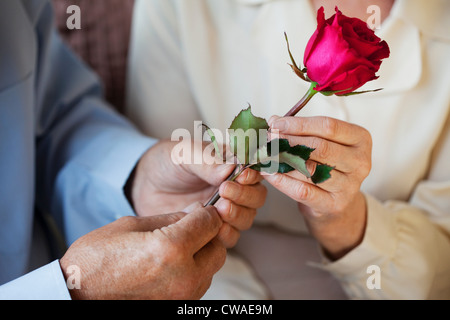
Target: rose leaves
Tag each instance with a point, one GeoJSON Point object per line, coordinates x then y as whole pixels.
{"type": "Point", "coordinates": [249, 144]}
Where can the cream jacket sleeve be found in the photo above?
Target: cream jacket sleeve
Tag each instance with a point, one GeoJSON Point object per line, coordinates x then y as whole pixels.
{"type": "Point", "coordinates": [408, 241]}
{"type": "Point", "coordinates": [206, 59]}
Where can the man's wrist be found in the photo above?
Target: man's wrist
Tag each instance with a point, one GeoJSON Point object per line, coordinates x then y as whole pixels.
{"type": "Point", "coordinates": [128, 188]}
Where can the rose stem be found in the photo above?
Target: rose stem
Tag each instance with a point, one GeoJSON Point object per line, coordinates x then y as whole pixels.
{"type": "Point", "coordinates": [303, 102]}
{"type": "Point", "coordinates": [232, 177]}
{"type": "Point", "coordinates": [292, 113]}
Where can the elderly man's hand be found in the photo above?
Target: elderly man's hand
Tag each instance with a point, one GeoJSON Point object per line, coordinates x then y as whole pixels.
{"type": "Point", "coordinates": [161, 185]}
{"type": "Point", "coordinates": [170, 256]}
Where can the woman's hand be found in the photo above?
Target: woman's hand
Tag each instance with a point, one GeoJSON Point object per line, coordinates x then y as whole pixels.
{"type": "Point", "coordinates": [161, 185]}
{"type": "Point", "coordinates": [335, 210]}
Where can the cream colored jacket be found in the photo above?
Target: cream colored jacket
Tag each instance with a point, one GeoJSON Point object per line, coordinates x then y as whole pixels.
{"type": "Point", "coordinates": [207, 59]}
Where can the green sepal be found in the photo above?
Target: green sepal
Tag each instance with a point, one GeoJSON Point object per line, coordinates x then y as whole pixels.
{"type": "Point", "coordinates": [360, 92]}
{"type": "Point", "coordinates": [338, 92]}
{"type": "Point", "coordinates": [299, 72]}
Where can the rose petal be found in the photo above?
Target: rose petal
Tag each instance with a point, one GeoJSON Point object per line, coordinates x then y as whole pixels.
{"type": "Point", "coordinates": [320, 18]}
{"type": "Point", "coordinates": [343, 53]}
{"type": "Point", "coordinates": [313, 40]}
{"type": "Point", "coordinates": [333, 56]}
{"type": "Point", "coordinates": [363, 48]}
{"type": "Point", "coordinates": [383, 52]}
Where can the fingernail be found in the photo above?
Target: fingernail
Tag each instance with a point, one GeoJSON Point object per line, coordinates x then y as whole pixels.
{"type": "Point", "coordinates": [280, 125]}
{"type": "Point", "coordinates": [226, 169]}
{"type": "Point", "coordinates": [193, 207]}
{"type": "Point", "coordinates": [221, 206]}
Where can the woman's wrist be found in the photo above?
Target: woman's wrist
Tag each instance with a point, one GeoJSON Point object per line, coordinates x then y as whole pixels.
{"type": "Point", "coordinates": [338, 234]}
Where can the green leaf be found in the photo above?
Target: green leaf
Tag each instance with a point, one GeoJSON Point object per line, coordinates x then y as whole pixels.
{"type": "Point", "coordinates": [248, 141]}
{"type": "Point", "coordinates": [322, 174]}
{"type": "Point", "coordinates": [280, 157]}
{"type": "Point", "coordinates": [279, 152]}
{"type": "Point", "coordinates": [296, 162]}
{"type": "Point", "coordinates": [284, 146]}
{"type": "Point", "coordinates": [247, 133]}
{"type": "Point", "coordinates": [273, 167]}
{"type": "Point", "coordinates": [246, 120]}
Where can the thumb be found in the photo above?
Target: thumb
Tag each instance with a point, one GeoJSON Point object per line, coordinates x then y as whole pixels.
{"type": "Point", "coordinates": [192, 207]}
{"type": "Point", "coordinates": [213, 174]}
{"type": "Point", "coordinates": [196, 229]}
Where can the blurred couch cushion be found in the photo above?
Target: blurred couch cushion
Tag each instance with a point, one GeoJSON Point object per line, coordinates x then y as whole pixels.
{"type": "Point", "coordinates": [281, 261]}
{"type": "Point", "coordinates": [102, 41]}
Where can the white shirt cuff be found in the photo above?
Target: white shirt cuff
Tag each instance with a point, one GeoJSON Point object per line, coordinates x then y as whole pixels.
{"type": "Point", "coordinates": [46, 283]}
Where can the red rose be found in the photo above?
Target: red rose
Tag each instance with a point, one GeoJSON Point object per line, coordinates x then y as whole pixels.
{"type": "Point", "coordinates": [343, 54]}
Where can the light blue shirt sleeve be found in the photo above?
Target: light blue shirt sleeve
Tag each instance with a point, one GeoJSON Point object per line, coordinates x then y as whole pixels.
{"type": "Point", "coordinates": [46, 283]}
{"type": "Point", "coordinates": [85, 150]}
{"type": "Point", "coordinates": [62, 148]}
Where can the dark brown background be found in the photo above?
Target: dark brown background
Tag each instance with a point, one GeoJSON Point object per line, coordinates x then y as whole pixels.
{"type": "Point", "coordinates": [102, 41]}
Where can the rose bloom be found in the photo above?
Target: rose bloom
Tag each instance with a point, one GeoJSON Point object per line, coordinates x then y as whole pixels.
{"type": "Point", "coordinates": [343, 54]}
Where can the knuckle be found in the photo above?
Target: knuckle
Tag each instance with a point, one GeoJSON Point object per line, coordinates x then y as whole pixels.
{"type": "Point", "coordinates": [303, 192]}
{"type": "Point", "coordinates": [213, 216]}
{"type": "Point", "coordinates": [224, 208]}
{"type": "Point", "coordinates": [319, 216]}
{"type": "Point", "coordinates": [170, 251]}
{"type": "Point", "coordinates": [367, 137]}
{"type": "Point", "coordinates": [340, 207]}
{"type": "Point", "coordinates": [263, 195]}
{"type": "Point", "coordinates": [232, 214]}
{"type": "Point", "coordinates": [229, 236]}
{"type": "Point", "coordinates": [232, 190]}
{"type": "Point", "coordinates": [127, 221]}
{"type": "Point", "coordinates": [242, 194]}
{"type": "Point", "coordinates": [366, 168]}
{"type": "Point", "coordinates": [298, 125]}
{"type": "Point", "coordinates": [364, 165]}
{"type": "Point", "coordinates": [277, 180]}
{"type": "Point", "coordinates": [250, 177]}
{"type": "Point", "coordinates": [221, 255]}
{"type": "Point", "coordinates": [249, 222]}
{"type": "Point", "coordinates": [311, 166]}
{"type": "Point", "coordinates": [225, 231]}
{"type": "Point", "coordinates": [330, 126]}
{"type": "Point", "coordinates": [322, 149]}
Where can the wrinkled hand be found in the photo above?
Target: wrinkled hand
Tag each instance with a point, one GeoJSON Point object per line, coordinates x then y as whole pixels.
{"type": "Point", "coordinates": [160, 185]}
{"type": "Point", "coordinates": [335, 211]}
{"type": "Point", "coordinates": [162, 257]}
